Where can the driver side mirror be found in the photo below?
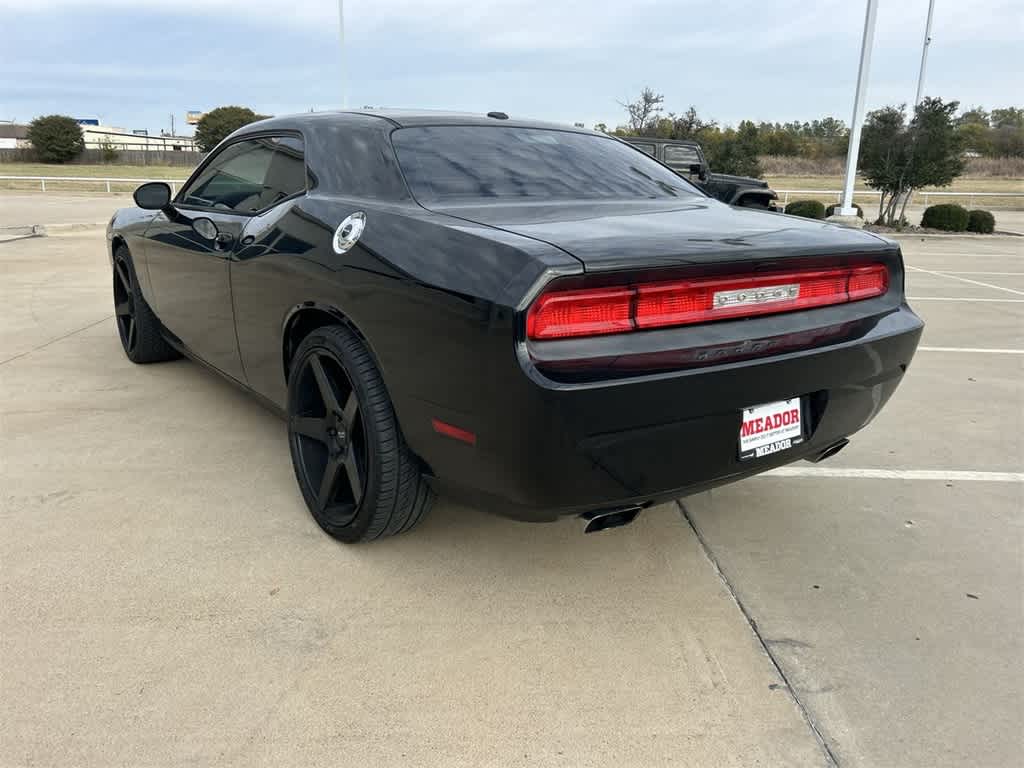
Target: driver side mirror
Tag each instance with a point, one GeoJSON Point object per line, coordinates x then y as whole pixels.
{"type": "Point", "coordinates": [696, 169]}
{"type": "Point", "coordinates": [153, 196]}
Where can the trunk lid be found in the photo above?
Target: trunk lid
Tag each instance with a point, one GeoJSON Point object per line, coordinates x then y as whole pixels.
{"type": "Point", "coordinates": [614, 235]}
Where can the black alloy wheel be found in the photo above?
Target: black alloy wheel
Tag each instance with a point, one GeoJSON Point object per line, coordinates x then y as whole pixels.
{"type": "Point", "coordinates": [124, 304]}
{"type": "Point", "coordinates": [328, 438]}
{"type": "Point", "coordinates": [358, 478]}
{"type": "Point", "coordinates": [139, 329]}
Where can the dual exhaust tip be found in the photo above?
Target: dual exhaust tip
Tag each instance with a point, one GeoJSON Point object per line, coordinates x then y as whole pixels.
{"type": "Point", "coordinates": [603, 519]}
{"type": "Point", "coordinates": [829, 452]}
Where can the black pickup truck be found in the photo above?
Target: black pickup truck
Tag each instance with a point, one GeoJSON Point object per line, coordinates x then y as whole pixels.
{"type": "Point", "coordinates": [687, 159]}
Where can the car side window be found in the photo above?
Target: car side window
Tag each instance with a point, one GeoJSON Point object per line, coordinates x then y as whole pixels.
{"type": "Point", "coordinates": [647, 149]}
{"type": "Point", "coordinates": [286, 175]}
{"type": "Point", "coordinates": [681, 157]}
{"type": "Point", "coordinates": [234, 179]}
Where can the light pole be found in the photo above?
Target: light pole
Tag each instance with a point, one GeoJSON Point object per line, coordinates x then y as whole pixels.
{"type": "Point", "coordinates": [924, 52]}
{"type": "Point", "coordinates": [858, 108]}
{"type": "Point", "coordinates": [341, 37]}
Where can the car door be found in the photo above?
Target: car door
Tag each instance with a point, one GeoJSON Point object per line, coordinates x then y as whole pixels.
{"type": "Point", "coordinates": [683, 159]}
{"type": "Point", "coordinates": [189, 248]}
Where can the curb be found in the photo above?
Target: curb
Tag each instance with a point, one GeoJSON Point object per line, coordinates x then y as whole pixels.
{"type": "Point", "coordinates": [959, 236]}
{"type": "Point", "coordinates": [42, 230]}
{"type": "Point", "coordinates": [76, 227]}
{"type": "Point", "coordinates": [31, 230]}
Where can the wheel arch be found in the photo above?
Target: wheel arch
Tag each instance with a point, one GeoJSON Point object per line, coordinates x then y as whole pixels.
{"type": "Point", "coordinates": [303, 319]}
{"type": "Point", "coordinates": [743, 194]}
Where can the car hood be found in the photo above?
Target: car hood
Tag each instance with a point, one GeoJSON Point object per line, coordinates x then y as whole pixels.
{"type": "Point", "coordinates": [740, 181]}
{"type": "Point", "coordinates": [626, 234]}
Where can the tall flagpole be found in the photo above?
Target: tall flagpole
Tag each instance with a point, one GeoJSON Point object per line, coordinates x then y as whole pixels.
{"type": "Point", "coordinates": [858, 108]}
{"type": "Point", "coordinates": [924, 52]}
{"type": "Point", "coordinates": [341, 37]}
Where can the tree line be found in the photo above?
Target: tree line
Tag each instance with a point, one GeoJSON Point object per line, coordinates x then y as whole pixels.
{"type": "Point", "coordinates": [999, 133]}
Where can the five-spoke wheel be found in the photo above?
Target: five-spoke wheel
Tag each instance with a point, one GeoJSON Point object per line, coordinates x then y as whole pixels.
{"type": "Point", "coordinates": [357, 476]}
{"type": "Point", "coordinates": [124, 303]}
{"type": "Point", "coordinates": [140, 331]}
{"type": "Point", "coordinates": [328, 436]}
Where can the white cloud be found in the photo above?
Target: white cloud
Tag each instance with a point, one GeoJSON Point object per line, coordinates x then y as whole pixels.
{"type": "Point", "coordinates": [561, 59]}
{"type": "Point", "coordinates": [542, 24]}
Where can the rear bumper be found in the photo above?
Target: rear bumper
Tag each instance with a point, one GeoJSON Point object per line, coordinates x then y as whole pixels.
{"type": "Point", "coordinates": [555, 448]}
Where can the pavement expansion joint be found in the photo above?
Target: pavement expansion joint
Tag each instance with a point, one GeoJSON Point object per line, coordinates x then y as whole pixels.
{"type": "Point", "coordinates": [830, 757]}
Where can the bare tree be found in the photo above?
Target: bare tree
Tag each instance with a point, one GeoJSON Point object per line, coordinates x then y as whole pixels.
{"type": "Point", "coordinates": [643, 113]}
{"type": "Point", "coordinates": [690, 125]}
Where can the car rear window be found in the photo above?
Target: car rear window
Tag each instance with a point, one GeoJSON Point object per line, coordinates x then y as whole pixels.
{"type": "Point", "coordinates": [462, 164]}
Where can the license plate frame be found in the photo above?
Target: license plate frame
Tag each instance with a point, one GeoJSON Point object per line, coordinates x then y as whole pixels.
{"type": "Point", "coordinates": [768, 429]}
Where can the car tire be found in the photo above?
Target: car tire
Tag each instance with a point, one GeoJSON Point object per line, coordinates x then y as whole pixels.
{"type": "Point", "coordinates": [137, 326]}
{"type": "Point", "coordinates": [357, 476]}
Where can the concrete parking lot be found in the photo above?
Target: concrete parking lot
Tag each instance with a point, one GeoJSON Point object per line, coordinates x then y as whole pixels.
{"type": "Point", "coordinates": [165, 598]}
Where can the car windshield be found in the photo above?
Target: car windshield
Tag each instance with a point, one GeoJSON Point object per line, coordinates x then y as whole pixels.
{"type": "Point", "coordinates": [463, 164]}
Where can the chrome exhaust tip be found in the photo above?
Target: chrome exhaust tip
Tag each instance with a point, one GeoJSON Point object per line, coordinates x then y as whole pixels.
{"type": "Point", "coordinates": [601, 519]}
{"type": "Point", "coordinates": [829, 452]}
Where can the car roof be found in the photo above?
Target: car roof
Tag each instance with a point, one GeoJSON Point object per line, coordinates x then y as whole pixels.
{"type": "Point", "coordinates": [403, 118]}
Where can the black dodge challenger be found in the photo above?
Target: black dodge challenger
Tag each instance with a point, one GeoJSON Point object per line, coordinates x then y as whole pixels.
{"type": "Point", "coordinates": [535, 319]}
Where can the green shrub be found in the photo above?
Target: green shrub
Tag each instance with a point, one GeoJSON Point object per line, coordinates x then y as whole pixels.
{"type": "Point", "coordinates": [948, 216]}
{"type": "Point", "coordinates": [981, 221]}
{"type": "Point", "coordinates": [834, 209]}
{"type": "Point", "coordinates": [56, 138]}
{"type": "Point", "coordinates": [809, 209]}
{"type": "Point", "coordinates": [108, 150]}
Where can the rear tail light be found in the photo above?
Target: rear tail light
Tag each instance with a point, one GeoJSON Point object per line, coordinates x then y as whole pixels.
{"type": "Point", "coordinates": [581, 313]}
{"type": "Point", "coordinates": [560, 314]}
{"type": "Point", "coordinates": [866, 282]}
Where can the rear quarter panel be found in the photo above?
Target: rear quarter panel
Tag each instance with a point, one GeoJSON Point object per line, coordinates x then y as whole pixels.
{"type": "Point", "coordinates": [434, 298]}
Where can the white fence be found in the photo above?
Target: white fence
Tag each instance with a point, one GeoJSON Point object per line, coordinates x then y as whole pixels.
{"type": "Point", "coordinates": [784, 194]}
{"type": "Point", "coordinates": [91, 179]}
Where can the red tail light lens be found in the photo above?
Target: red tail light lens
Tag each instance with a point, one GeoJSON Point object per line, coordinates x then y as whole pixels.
{"type": "Point", "coordinates": [866, 282]}
{"type": "Point", "coordinates": [593, 312]}
{"type": "Point", "coordinates": [581, 313]}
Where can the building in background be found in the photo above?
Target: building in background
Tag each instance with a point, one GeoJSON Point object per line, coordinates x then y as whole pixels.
{"type": "Point", "coordinates": [100, 136]}
{"type": "Point", "coordinates": [13, 136]}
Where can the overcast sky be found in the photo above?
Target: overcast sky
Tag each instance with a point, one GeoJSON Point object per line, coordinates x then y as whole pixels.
{"type": "Point", "coordinates": [133, 62]}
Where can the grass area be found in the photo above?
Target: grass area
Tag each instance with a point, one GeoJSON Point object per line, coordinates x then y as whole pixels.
{"type": "Point", "coordinates": [169, 172]}
{"type": "Point", "coordinates": [959, 185]}
{"type": "Point", "coordinates": [99, 171]}
{"type": "Point", "coordinates": [836, 182]}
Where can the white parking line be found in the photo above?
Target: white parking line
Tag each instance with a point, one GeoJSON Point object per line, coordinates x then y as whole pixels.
{"type": "Point", "coordinates": [983, 350]}
{"type": "Point", "coordinates": [965, 280]}
{"type": "Point", "coordinates": [898, 474]}
{"type": "Point", "coordinates": [962, 298]}
{"type": "Point", "coordinates": [1005, 274]}
{"type": "Point", "coordinates": [983, 254]}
